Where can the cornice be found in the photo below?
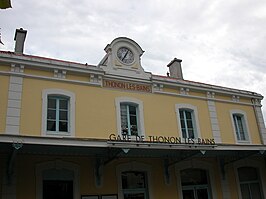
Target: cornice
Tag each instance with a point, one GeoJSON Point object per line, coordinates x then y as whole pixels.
{"type": "Point", "coordinates": [47, 63]}
{"type": "Point", "coordinates": [105, 143]}
{"type": "Point", "coordinates": [204, 87]}
{"type": "Point", "coordinates": [42, 63]}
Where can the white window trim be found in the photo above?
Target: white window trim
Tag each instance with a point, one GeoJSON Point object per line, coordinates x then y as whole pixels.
{"type": "Point", "coordinates": [120, 100]}
{"type": "Point", "coordinates": [260, 166]}
{"type": "Point", "coordinates": [57, 164]}
{"type": "Point", "coordinates": [72, 101]}
{"type": "Point", "coordinates": [133, 166]}
{"type": "Point", "coordinates": [196, 118]}
{"type": "Point", "coordinates": [196, 165]}
{"type": "Point", "coordinates": [246, 128]}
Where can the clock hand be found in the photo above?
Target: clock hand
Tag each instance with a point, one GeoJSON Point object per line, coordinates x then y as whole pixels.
{"type": "Point", "coordinates": [125, 56]}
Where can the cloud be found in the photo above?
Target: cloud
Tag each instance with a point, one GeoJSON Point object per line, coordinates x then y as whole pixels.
{"type": "Point", "coordinates": [219, 42]}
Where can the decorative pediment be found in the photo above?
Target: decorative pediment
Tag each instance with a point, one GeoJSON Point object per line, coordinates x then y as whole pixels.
{"type": "Point", "coordinates": [123, 58]}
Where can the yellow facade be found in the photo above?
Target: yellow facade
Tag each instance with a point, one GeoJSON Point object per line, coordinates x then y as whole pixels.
{"type": "Point", "coordinates": [98, 130]}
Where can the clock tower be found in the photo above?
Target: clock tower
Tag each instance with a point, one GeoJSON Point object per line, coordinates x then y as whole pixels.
{"type": "Point", "coordinates": [123, 58]}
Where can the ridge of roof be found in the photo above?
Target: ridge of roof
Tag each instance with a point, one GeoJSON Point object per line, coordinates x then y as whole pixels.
{"type": "Point", "coordinates": [45, 58]}
{"type": "Point", "coordinates": [206, 85]}
{"type": "Point", "coordinates": [170, 79]}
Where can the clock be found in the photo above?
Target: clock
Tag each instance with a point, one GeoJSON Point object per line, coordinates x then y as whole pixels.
{"type": "Point", "coordinates": [125, 55]}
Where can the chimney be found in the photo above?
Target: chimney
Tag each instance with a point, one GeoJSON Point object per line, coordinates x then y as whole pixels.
{"type": "Point", "coordinates": [20, 37]}
{"type": "Point", "coordinates": [175, 68]}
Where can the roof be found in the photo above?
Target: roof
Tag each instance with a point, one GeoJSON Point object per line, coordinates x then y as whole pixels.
{"type": "Point", "coordinates": [190, 83]}
{"type": "Point", "coordinates": [11, 56]}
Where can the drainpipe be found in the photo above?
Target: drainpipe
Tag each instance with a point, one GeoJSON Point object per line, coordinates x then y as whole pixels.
{"type": "Point", "coordinates": [10, 167]}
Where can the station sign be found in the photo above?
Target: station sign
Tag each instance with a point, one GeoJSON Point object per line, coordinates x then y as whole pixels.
{"type": "Point", "coordinates": [127, 86]}
{"type": "Point", "coordinates": [161, 139]}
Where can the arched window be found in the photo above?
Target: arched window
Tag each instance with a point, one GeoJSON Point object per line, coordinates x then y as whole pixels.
{"type": "Point", "coordinates": [195, 184]}
{"type": "Point", "coordinates": [187, 118]}
{"type": "Point", "coordinates": [134, 184]}
{"type": "Point", "coordinates": [240, 127]}
{"type": "Point", "coordinates": [249, 182]}
{"type": "Point", "coordinates": [130, 119]}
{"type": "Point", "coordinates": [134, 181]}
{"type": "Point", "coordinates": [58, 112]}
{"type": "Point", "coordinates": [57, 179]}
{"type": "Point", "coordinates": [187, 121]}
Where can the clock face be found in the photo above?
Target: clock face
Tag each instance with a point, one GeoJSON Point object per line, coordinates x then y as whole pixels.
{"type": "Point", "coordinates": [125, 55]}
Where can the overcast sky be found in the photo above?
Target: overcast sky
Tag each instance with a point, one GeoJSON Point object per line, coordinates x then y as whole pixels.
{"type": "Point", "coordinates": [220, 42]}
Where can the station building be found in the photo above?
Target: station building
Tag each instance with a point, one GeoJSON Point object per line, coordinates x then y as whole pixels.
{"type": "Point", "coordinates": [113, 130]}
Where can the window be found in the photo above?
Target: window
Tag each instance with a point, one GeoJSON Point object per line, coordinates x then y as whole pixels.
{"type": "Point", "coordinates": [130, 119]}
{"type": "Point", "coordinates": [134, 180]}
{"type": "Point", "coordinates": [196, 179]}
{"type": "Point", "coordinates": [57, 179]}
{"type": "Point", "coordinates": [250, 186]}
{"type": "Point", "coordinates": [195, 184]}
{"type": "Point", "coordinates": [58, 112]}
{"type": "Point", "coordinates": [134, 185]}
{"type": "Point", "coordinates": [239, 125]}
{"type": "Point", "coordinates": [187, 117]}
{"type": "Point", "coordinates": [187, 126]}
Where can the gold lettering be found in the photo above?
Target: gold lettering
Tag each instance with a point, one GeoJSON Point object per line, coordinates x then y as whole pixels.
{"type": "Point", "coordinates": [112, 137]}
{"type": "Point", "coordinates": [127, 86]}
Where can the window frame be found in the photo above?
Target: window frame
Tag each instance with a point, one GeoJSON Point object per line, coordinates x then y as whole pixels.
{"type": "Point", "coordinates": [259, 165]}
{"type": "Point", "coordinates": [71, 111]}
{"type": "Point", "coordinates": [196, 164]}
{"type": "Point", "coordinates": [250, 182]}
{"type": "Point", "coordinates": [139, 167]}
{"type": "Point", "coordinates": [58, 110]}
{"type": "Point", "coordinates": [243, 116]}
{"type": "Point", "coordinates": [128, 116]}
{"type": "Point", "coordinates": [144, 190]}
{"type": "Point", "coordinates": [139, 109]}
{"type": "Point", "coordinates": [194, 115]}
{"type": "Point", "coordinates": [61, 165]}
{"type": "Point", "coordinates": [197, 187]}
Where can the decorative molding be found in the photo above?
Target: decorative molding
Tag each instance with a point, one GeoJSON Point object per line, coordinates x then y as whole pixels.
{"type": "Point", "coordinates": [235, 98]}
{"type": "Point", "coordinates": [157, 87]}
{"type": "Point", "coordinates": [210, 95]}
{"type": "Point", "coordinates": [18, 68]}
{"type": "Point", "coordinates": [94, 78]}
{"type": "Point", "coordinates": [50, 78]}
{"type": "Point", "coordinates": [60, 73]}
{"type": "Point", "coordinates": [199, 97]}
{"type": "Point", "coordinates": [205, 87]}
{"type": "Point", "coordinates": [184, 91]}
{"type": "Point", "coordinates": [256, 102]}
